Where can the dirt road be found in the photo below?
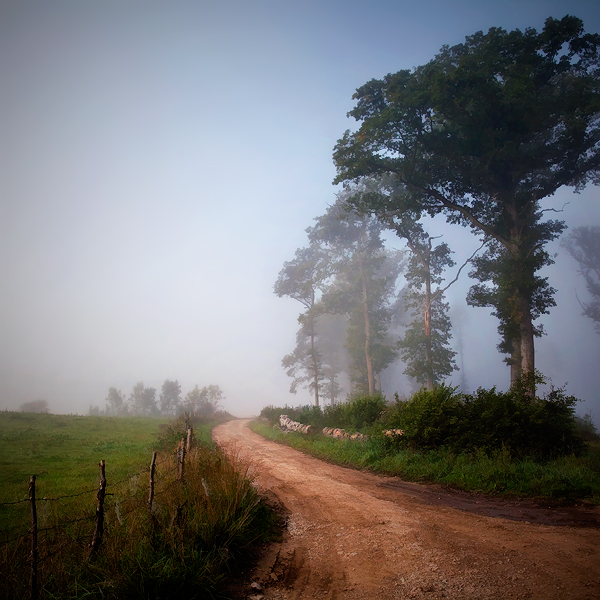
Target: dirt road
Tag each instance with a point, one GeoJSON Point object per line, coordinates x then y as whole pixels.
{"type": "Point", "coordinates": [354, 535]}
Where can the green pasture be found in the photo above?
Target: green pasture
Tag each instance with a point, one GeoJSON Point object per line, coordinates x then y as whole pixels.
{"type": "Point", "coordinates": [199, 528]}
{"type": "Point", "coordinates": [63, 451]}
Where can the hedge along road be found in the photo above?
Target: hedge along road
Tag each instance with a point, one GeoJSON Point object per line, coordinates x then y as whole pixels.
{"type": "Point", "coordinates": [355, 535]}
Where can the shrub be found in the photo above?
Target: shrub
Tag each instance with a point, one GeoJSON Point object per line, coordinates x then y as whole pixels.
{"type": "Point", "coordinates": [488, 420]}
{"type": "Point", "coordinates": [364, 411]}
{"type": "Point", "coordinates": [431, 418]}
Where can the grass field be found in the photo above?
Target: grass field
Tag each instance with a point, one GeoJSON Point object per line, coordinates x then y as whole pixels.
{"type": "Point", "coordinates": [63, 451]}
{"type": "Point", "coordinates": [565, 479]}
{"type": "Point", "coordinates": [184, 547]}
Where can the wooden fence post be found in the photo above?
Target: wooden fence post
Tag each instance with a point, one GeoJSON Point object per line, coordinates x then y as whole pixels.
{"type": "Point", "coordinates": [189, 439]}
{"type": "Point", "coordinates": [181, 459]}
{"type": "Point", "coordinates": [34, 545]}
{"type": "Point", "coordinates": [151, 494]}
{"type": "Point", "coordinates": [99, 529]}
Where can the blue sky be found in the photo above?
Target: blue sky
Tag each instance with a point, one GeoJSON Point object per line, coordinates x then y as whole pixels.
{"type": "Point", "coordinates": [160, 161]}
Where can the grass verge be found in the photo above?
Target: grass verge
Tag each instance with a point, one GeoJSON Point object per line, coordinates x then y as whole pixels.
{"type": "Point", "coordinates": [565, 479]}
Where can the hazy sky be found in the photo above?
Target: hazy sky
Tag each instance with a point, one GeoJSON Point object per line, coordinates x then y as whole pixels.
{"type": "Point", "coordinates": [159, 161]}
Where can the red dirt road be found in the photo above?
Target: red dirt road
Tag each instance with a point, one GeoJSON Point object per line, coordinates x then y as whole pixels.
{"type": "Point", "coordinates": [354, 535]}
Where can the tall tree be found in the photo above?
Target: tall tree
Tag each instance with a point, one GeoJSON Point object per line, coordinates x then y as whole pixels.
{"type": "Point", "coordinates": [302, 279]}
{"type": "Point", "coordinates": [425, 346]}
{"type": "Point", "coordinates": [583, 244]}
{"type": "Point", "coordinates": [360, 290]}
{"type": "Point", "coordinates": [170, 397]}
{"type": "Point", "coordinates": [116, 403]}
{"type": "Point", "coordinates": [332, 331]}
{"type": "Point", "coordinates": [203, 402]}
{"type": "Point", "coordinates": [143, 400]}
{"type": "Point", "coordinates": [483, 133]}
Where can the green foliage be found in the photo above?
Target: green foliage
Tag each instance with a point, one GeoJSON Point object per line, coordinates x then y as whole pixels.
{"type": "Point", "coordinates": [482, 134]}
{"type": "Point", "coordinates": [363, 411]}
{"type": "Point", "coordinates": [431, 418]}
{"type": "Point", "coordinates": [360, 413]}
{"type": "Point", "coordinates": [490, 421]}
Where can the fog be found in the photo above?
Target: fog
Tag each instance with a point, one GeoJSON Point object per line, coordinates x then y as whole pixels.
{"type": "Point", "coordinates": [159, 163]}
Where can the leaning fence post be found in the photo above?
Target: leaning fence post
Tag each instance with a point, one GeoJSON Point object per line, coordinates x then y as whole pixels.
{"type": "Point", "coordinates": [34, 546]}
{"type": "Point", "coordinates": [151, 494]}
{"type": "Point", "coordinates": [99, 529]}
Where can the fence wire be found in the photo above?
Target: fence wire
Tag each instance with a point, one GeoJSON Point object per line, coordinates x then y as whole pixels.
{"type": "Point", "coordinates": [136, 495]}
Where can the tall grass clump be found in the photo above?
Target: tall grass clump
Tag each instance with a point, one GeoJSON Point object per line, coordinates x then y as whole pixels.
{"type": "Point", "coordinates": [197, 529]}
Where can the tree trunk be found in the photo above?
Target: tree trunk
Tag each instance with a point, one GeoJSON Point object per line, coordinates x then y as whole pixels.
{"type": "Point", "coordinates": [315, 363]}
{"type": "Point", "coordinates": [515, 362]}
{"type": "Point", "coordinates": [527, 344]}
{"type": "Point", "coordinates": [370, 377]}
{"type": "Point", "coordinates": [427, 326]}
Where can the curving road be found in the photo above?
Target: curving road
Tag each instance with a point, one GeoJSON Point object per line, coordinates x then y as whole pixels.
{"type": "Point", "coordinates": [354, 535]}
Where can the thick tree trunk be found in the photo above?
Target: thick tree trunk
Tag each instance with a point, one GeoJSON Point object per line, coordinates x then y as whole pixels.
{"type": "Point", "coordinates": [515, 362]}
{"type": "Point", "coordinates": [527, 344]}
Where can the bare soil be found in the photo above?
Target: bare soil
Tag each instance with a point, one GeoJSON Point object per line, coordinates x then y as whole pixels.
{"type": "Point", "coordinates": [355, 535]}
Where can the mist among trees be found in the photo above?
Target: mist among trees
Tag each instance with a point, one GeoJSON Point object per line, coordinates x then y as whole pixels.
{"type": "Point", "coordinates": [143, 401]}
{"type": "Point", "coordinates": [480, 136]}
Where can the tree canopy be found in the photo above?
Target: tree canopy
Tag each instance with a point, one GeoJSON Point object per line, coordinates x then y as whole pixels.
{"type": "Point", "coordinates": [482, 134]}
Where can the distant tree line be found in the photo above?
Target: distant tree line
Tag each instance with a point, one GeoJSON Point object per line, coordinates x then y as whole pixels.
{"type": "Point", "coordinates": [143, 401]}
{"type": "Point", "coordinates": [38, 406]}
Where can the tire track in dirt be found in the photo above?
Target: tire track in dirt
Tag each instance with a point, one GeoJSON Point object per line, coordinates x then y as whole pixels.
{"type": "Point", "coordinates": [354, 535]}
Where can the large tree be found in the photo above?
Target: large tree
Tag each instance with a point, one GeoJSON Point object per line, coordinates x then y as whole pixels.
{"type": "Point", "coordinates": [362, 288]}
{"type": "Point", "coordinates": [116, 402]}
{"type": "Point", "coordinates": [303, 279]}
{"type": "Point", "coordinates": [484, 133]}
{"type": "Point", "coordinates": [425, 346]}
{"type": "Point", "coordinates": [143, 400]}
{"type": "Point", "coordinates": [583, 244]}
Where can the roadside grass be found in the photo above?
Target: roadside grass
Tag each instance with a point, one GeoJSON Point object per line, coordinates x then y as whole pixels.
{"type": "Point", "coordinates": [197, 531]}
{"type": "Point", "coordinates": [566, 479]}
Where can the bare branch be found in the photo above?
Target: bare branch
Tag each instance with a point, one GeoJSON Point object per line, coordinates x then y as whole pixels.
{"type": "Point", "coordinates": [442, 290]}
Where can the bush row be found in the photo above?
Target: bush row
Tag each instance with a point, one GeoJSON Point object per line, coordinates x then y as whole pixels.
{"type": "Point", "coordinates": [488, 420]}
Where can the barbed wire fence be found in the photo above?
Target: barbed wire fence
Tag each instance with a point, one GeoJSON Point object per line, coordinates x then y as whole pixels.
{"type": "Point", "coordinates": [122, 492]}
